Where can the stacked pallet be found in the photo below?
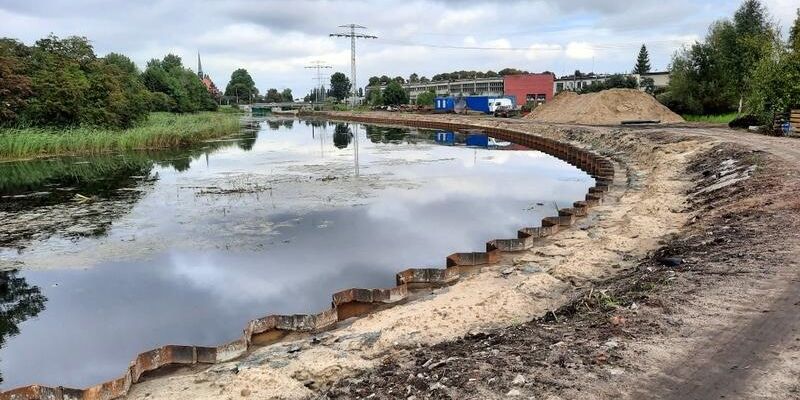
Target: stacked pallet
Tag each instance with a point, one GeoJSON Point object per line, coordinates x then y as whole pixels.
{"type": "Point", "coordinates": [794, 120]}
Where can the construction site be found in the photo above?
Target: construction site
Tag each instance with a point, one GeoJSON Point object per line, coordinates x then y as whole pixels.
{"type": "Point", "coordinates": [475, 235]}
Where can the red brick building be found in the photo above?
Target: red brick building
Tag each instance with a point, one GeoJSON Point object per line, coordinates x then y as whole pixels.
{"type": "Point", "coordinates": [529, 87]}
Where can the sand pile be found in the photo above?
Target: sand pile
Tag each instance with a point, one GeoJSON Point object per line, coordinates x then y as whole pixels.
{"type": "Point", "coordinates": [609, 107]}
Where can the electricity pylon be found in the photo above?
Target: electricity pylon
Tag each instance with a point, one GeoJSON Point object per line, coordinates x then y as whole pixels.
{"type": "Point", "coordinates": [319, 65]}
{"type": "Point", "coordinates": [353, 36]}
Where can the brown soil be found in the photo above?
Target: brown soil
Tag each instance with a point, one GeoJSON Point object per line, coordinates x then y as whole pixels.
{"type": "Point", "coordinates": [609, 107]}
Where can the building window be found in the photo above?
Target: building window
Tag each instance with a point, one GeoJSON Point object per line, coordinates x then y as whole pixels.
{"type": "Point", "coordinates": [559, 86]}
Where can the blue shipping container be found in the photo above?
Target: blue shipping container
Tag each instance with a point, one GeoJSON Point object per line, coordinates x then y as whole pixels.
{"type": "Point", "coordinates": [446, 137]}
{"type": "Point", "coordinates": [444, 104]}
{"type": "Point", "coordinates": [478, 103]}
{"type": "Point", "coordinates": [478, 140]}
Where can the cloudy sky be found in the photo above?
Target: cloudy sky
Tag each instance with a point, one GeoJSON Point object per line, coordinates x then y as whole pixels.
{"type": "Point", "coordinates": [274, 40]}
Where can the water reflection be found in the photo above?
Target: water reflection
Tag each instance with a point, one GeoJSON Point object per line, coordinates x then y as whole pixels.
{"type": "Point", "coordinates": [81, 196]}
{"type": "Point", "coordinates": [277, 123]}
{"type": "Point", "coordinates": [342, 136]}
{"type": "Point", "coordinates": [18, 302]}
{"type": "Point", "coordinates": [272, 222]}
{"type": "Point", "coordinates": [382, 134]}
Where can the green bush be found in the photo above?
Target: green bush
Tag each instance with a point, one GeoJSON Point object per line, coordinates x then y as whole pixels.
{"type": "Point", "coordinates": [745, 121]}
{"type": "Point", "coordinates": [70, 86]}
{"type": "Point", "coordinates": [160, 101]}
{"type": "Point", "coordinates": [186, 90]}
{"type": "Point", "coordinates": [775, 86]}
{"type": "Point", "coordinates": [394, 94]}
{"type": "Point", "coordinates": [426, 98]}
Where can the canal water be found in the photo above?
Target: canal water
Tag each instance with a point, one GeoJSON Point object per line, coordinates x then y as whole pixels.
{"type": "Point", "coordinates": [106, 257]}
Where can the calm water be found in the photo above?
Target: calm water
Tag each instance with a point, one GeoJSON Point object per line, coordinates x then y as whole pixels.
{"type": "Point", "coordinates": [185, 247]}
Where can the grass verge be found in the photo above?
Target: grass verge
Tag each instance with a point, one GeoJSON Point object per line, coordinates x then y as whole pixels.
{"type": "Point", "coordinates": [714, 119]}
{"type": "Point", "coordinates": [161, 130]}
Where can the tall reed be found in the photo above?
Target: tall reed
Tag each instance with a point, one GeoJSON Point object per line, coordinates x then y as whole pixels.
{"type": "Point", "coordinates": [161, 130]}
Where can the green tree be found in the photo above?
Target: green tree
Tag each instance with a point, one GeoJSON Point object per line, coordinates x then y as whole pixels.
{"type": "Point", "coordinates": [15, 86]}
{"type": "Point", "coordinates": [187, 91]}
{"type": "Point", "coordinates": [642, 62]}
{"type": "Point", "coordinates": [754, 39]}
{"type": "Point", "coordinates": [648, 84]}
{"type": "Point", "coordinates": [775, 87]}
{"type": "Point", "coordinates": [273, 96]}
{"type": "Point", "coordinates": [714, 76]}
{"type": "Point", "coordinates": [394, 94]}
{"type": "Point", "coordinates": [374, 95]}
{"type": "Point", "coordinates": [286, 95]}
{"type": "Point", "coordinates": [241, 86]}
{"type": "Point", "coordinates": [171, 61]}
{"type": "Point", "coordinates": [511, 71]}
{"type": "Point", "coordinates": [426, 98]}
{"type": "Point", "coordinates": [399, 79]}
{"type": "Point", "coordinates": [794, 34]}
{"type": "Point", "coordinates": [413, 78]}
{"type": "Point", "coordinates": [122, 62]}
{"type": "Point", "coordinates": [616, 81]}
{"type": "Point", "coordinates": [340, 86]}
{"type": "Point", "coordinates": [58, 81]}
{"type": "Point", "coordinates": [115, 97]}
{"type": "Point", "coordinates": [697, 85]}
{"type": "Point", "coordinates": [374, 81]}
{"type": "Point", "coordinates": [384, 80]}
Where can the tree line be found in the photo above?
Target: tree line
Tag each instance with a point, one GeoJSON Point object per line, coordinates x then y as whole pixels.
{"type": "Point", "coordinates": [743, 65]}
{"type": "Point", "coordinates": [62, 82]}
{"type": "Point", "coordinates": [242, 89]}
{"type": "Point", "coordinates": [447, 76]}
{"type": "Point", "coordinates": [340, 88]}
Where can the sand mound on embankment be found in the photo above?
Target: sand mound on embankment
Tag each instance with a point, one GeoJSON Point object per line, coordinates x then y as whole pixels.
{"type": "Point", "coordinates": [609, 107]}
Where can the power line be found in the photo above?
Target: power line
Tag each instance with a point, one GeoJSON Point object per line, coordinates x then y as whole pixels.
{"type": "Point", "coordinates": [353, 36]}
{"type": "Point", "coordinates": [609, 46]}
{"type": "Point", "coordinates": [319, 66]}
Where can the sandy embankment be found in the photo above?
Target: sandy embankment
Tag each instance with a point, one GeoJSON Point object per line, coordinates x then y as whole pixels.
{"type": "Point", "coordinates": [640, 209]}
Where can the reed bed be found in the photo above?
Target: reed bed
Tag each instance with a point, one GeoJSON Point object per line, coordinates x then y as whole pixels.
{"type": "Point", "coordinates": [160, 131]}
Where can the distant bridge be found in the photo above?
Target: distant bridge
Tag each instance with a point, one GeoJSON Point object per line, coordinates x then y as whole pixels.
{"type": "Point", "coordinates": [286, 105]}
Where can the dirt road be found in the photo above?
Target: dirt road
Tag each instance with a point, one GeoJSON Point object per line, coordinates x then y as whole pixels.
{"type": "Point", "coordinates": [754, 352]}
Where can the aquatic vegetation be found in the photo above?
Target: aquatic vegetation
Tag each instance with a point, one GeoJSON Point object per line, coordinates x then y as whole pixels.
{"type": "Point", "coordinates": [161, 130]}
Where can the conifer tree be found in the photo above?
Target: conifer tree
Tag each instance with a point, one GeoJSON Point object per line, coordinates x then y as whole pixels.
{"type": "Point", "coordinates": [642, 62]}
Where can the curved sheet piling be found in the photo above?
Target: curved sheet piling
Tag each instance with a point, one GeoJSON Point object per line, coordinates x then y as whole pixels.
{"type": "Point", "coordinates": [356, 302]}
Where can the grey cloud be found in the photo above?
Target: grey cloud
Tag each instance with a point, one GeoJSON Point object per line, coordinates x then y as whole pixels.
{"type": "Point", "coordinates": [276, 38]}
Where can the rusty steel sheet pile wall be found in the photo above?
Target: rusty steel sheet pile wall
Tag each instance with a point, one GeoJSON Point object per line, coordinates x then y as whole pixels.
{"type": "Point", "coordinates": [356, 301]}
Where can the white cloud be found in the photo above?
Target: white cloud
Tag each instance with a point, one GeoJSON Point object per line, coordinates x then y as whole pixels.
{"type": "Point", "coordinates": [462, 19]}
{"type": "Point", "coordinates": [538, 51]}
{"type": "Point", "coordinates": [580, 50]}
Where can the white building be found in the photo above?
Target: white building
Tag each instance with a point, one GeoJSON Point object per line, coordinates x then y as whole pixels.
{"type": "Point", "coordinates": [573, 83]}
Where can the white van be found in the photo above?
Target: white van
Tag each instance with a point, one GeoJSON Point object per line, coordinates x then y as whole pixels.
{"type": "Point", "coordinates": [494, 104]}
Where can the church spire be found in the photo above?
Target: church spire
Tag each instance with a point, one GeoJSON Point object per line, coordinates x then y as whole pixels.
{"type": "Point", "coordinates": [199, 66]}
